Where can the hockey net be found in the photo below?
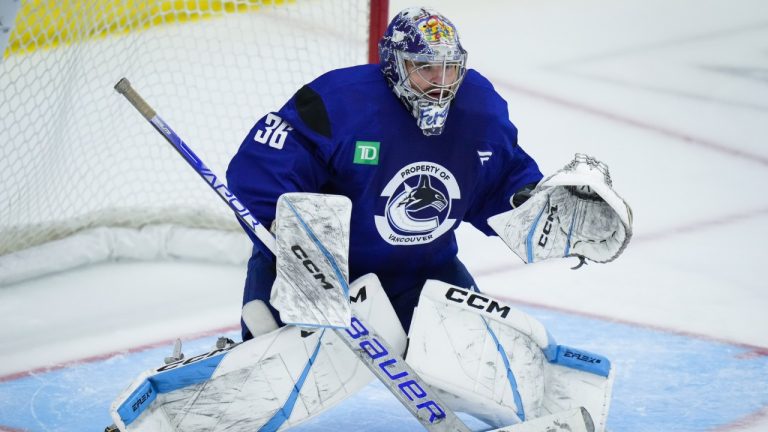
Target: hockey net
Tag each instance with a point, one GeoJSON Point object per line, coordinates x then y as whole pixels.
{"type": "Point", "coordinates": [77, 161]}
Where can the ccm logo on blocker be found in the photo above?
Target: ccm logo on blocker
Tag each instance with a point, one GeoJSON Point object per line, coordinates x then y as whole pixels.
{"type": "Point", "coordinates": [310, 266]}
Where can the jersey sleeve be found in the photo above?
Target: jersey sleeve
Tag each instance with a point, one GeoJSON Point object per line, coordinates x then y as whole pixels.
{"type": "Point", "coordinates": [274, 158]}
{"type": "Point", "coordinates": [511, 169]}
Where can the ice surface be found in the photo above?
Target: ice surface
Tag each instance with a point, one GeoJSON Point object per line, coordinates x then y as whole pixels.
{"type": "Point", "coordinates": [672, 96]}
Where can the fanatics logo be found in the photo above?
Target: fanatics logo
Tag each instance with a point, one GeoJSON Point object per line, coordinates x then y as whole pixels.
{"type": "Point", "coordinates": [367, 152]}
{"type": "Point", "coordinates": [484, 156]}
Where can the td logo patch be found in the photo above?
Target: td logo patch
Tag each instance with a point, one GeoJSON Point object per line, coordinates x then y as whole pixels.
{"type": "Point", "coordinates": [419, 199]}
{"type": "Point", "coordinates": [367, 152]}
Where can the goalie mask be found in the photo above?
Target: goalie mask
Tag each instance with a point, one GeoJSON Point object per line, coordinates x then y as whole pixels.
{"type": "Point", "coordinates": [424, 64]}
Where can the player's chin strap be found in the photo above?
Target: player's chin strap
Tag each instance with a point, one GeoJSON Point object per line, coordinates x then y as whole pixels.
{"type": "Point", "coordinates": [574, 212]}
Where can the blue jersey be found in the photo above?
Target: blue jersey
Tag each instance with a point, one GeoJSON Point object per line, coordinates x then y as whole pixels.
{"type": "Point", "coordinates": [346, 133]}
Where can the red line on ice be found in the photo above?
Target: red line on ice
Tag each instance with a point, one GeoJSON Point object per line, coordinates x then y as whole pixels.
{"type": "Point", "coordinates": [680, 136]}
{"type": "Point", "coordinates": [10, 429]}
{"type": "Point", "coordinates": [755, 351]}
{"type": "Point", "coordinates": [702, 225]}
{"type": "Point", "coordinates": [105, 356]}
{"type": "Point", "coordinates": [757, 418]}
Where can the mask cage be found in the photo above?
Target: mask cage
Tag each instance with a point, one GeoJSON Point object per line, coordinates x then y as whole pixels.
{"type": "Point", "coordinates": [440, 91]}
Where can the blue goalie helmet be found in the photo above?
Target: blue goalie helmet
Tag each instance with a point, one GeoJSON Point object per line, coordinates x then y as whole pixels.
{"type": "Point", "coordinates": [424, 64]}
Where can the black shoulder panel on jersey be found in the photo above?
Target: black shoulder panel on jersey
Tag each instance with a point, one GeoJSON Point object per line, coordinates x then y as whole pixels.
{"type": "Point", "coordinates": [312, 111]}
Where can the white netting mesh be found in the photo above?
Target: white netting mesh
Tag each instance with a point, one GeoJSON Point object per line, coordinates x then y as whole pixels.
{"type": "Point", "coordinates": [75, 155]}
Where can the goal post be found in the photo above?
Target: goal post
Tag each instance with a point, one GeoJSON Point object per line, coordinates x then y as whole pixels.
{"type": "Point", "coordinates": [83, 179]}
{"type": "Point", "coordinates": [379, 19]}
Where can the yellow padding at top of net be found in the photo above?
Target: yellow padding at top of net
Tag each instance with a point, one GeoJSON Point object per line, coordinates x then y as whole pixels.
{"type": "Point", "coordinates": [42, 24]}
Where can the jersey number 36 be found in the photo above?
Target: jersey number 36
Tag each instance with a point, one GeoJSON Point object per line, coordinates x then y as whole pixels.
{"type": "Point", "coordinates": [275, 132]}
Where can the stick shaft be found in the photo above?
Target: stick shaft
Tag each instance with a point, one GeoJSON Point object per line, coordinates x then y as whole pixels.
{"type": "Point", "coordinates": [124, 87]}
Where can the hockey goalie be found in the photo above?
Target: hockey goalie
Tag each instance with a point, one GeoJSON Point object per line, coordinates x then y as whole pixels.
{"type": "Point", "coordinates": [472, 352]}
{"type": "Point", "coordinates": [363, 176]}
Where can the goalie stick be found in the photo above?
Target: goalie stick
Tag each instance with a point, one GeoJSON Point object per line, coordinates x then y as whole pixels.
{"type": "Point", "coordinates": [390, 368]}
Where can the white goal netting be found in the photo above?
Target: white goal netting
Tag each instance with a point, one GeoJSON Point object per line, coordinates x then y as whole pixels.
{"type": "Point", "coordinates": [76, 158]}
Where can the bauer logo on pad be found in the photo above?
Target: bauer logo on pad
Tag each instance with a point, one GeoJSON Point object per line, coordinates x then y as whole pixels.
{"type": "Point", "coordinates": [367, 152]}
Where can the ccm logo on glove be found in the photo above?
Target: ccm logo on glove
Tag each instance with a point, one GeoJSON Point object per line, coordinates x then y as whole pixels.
{"type": "Point", "coordinates": [547, 226]}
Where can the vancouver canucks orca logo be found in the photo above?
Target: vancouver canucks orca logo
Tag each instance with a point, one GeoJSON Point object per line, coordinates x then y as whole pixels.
{"type": "Point", "coordinates": [404, 210]}
{"type": "Point", "coordinates": [418, 205]}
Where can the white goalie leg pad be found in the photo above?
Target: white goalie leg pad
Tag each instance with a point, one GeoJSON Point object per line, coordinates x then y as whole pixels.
{"type": "Point", "coordinates": [499, 363]}
{"type": "Point", "coordinates": [272, 382]}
